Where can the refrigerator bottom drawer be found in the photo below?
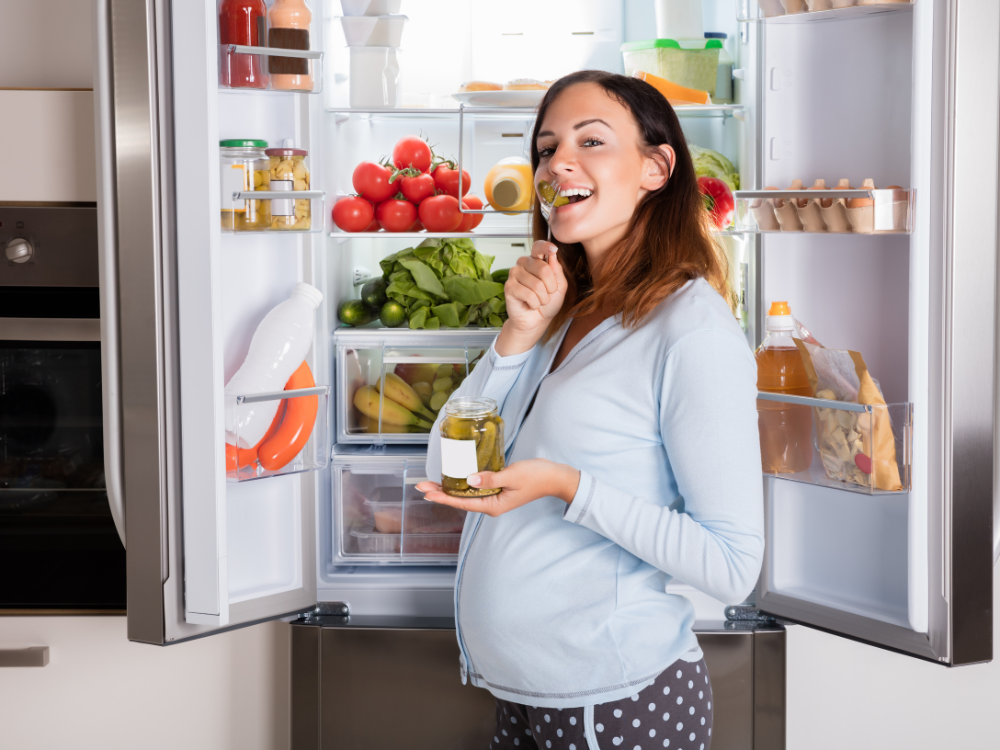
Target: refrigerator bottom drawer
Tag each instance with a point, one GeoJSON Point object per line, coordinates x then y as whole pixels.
{"type": "Point", "coordinates": [398, 686]}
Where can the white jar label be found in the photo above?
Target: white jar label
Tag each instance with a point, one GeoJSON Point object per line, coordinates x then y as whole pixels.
{"type": "Point", "coordinates": [232, 181]}
{"type": "Point", "coordinates": [282, 207]}
{"type": "Point", "coordinates": [458, 458]}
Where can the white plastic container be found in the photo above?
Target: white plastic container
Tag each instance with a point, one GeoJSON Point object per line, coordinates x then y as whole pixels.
{"type": "Point", "coordinates": [370, 7]}
{"type": "Point", "coordinates": [278, 347]}
{"type": "Point", "coordinates": [373, 31]}
{"type": "Point", "coordinates": [679, 19]}
{"type": "Point", "coordinates": [374, 78]}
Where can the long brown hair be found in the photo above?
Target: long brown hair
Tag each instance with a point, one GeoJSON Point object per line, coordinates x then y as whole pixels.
{"type": "Point", "coordinates": [669, 241]}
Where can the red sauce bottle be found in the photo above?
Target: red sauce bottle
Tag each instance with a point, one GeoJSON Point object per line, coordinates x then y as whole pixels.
{"type": "Point", "coordinates": [242, 22]}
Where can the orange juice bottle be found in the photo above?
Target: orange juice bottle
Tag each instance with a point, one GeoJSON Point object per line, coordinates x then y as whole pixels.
{"type": "Point", "coordinates": [509, 185]}
{"type": "Point", "coordinates": [785, 429]}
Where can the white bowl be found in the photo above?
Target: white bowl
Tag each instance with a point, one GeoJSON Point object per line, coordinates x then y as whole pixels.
{"type": "Point", "coordinates": [370, 7]}
{"type": "Point", "coordinates": [374, 78]}
{"type": "Point", "coordinates": [373, 31]}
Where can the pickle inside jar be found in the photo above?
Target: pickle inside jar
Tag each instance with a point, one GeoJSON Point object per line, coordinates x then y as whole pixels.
{"type": "Point", "coordinates": [487, 432]}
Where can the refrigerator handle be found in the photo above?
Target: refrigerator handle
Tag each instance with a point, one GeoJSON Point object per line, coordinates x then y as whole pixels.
{"type": "Point", "coordinates": [108, 263]}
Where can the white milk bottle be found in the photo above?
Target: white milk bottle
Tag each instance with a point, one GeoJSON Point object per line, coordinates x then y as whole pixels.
{"type": "Point", "coordinates": [277, 348]}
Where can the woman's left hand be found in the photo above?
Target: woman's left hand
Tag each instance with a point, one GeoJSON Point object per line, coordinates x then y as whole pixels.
{"type": "Point", "coordinates": [522, 482]}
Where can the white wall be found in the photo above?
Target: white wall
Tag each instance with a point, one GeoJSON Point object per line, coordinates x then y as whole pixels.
{"type": "Point", "coordinates": [101, 692]}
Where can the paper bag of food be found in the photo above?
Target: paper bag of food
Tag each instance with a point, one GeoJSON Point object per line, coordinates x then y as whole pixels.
{"type": "Point", "coordinates": [855, 446]}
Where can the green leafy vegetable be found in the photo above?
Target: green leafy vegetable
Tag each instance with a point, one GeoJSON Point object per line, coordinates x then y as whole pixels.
{"type": "Point", "coordinates": [708, 163]}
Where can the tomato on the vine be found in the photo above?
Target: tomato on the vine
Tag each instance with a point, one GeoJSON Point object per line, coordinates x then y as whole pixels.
{"type": "Point", "coordinates": [396, 215]}
{"type": "Point", "coordinates": [470, 221]}
{"type": "Point", "coordinates": [353, 214]}
{"type": "Point", "coordinates": [371, 180]}
{"type": "Point", "coordinates": [416, 188]}
{"type": "Point", "coordinates": [446, 179]}
{"type": "Point", "coordinates": [412, 151]}
{"type": "Point", "coordinates": [440, 213]}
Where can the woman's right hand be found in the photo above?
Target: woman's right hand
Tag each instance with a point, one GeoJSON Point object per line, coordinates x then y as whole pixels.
{"type": "Point", "coordinates": [535, 291]}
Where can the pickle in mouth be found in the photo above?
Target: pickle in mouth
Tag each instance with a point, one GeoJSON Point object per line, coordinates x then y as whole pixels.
{"type": "Point", "coordinates": [549, 195]}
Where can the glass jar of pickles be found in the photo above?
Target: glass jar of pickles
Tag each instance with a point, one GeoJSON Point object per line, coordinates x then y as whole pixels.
{"type": "Point", "coordinates": [243, 168]}
{"type": "Point", "coordinates": [471, 441]}
{"type": "Point", "coordinates": [287, 171]}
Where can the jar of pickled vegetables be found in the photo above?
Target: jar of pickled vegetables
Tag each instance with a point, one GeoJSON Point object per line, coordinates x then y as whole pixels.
{"type": "Point", "coordinates": [288, 171]}
{"type": "Point", "coordinates": [471, 441]}
{"type": "Point", "coordinates": [243, 168]}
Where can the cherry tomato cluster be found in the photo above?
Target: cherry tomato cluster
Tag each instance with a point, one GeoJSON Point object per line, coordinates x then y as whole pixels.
{"type": "Point", "coordinates": [413, 191]}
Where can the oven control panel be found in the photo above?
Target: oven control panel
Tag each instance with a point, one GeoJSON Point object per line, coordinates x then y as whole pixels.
{"type": "Point", "coordinates": [48, 246]}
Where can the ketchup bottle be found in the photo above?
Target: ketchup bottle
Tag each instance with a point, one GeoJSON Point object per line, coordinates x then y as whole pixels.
{"type": "Point", "coordinates": [242, 22]}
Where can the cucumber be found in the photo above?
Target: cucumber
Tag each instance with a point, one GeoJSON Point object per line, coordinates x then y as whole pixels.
{"type": "Point", "coordinates": [373, 293]}
{"type": "Point", "coordinates": [354, 312]}
{"type": "Point", "coordinates": [393, 314]}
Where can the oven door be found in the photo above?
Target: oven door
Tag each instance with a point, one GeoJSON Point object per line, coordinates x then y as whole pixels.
{"type": "Point", "coordinates": [59, 547]}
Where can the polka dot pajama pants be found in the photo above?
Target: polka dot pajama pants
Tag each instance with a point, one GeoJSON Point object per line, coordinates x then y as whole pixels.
{"type": "Point", "coordinates": [674, 712]}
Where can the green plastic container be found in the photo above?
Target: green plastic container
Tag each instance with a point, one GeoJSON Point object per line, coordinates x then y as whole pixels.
{"type": "Point", "coordinates": [690, 62]}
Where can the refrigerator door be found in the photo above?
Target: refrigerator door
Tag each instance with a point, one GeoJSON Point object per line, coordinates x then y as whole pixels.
{"type": "Point", "coordinates": [202, 556]}
{"type": "Point", "coordinates": [909, 570]}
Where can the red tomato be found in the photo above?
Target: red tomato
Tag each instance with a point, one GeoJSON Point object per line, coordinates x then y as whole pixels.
{"type": "Point", "coordinates": [412, 151]}
{"type": "Point", "coordinates": [396, 215]}
{"type": "Point", "coordinates": [353, 214]}
{"type": "Point", "coordinates": [416, 188]}
{"type": "Point", "coordinates": [373, 227]}
{"type": "Point", "coordinates": [371, 180]}
{"type": "Point", "coordinates": [417, 226]}
{"type": "Point", "coordinates": [446, 179]}
{"type": "Point", "coordinates": [440, 213]}
{"type": "Point", "coordinates": [473, 202]}
{"type": "Point", "coordinates": [718, 200]}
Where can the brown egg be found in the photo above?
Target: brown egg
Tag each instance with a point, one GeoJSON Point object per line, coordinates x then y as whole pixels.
{"type": "Point", "coordinates": [821, 185]}
{"type": "Point", "coordinates": [863, 202]}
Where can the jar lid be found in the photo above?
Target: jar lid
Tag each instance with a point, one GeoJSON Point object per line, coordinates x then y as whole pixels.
{"type": "Point", "coordinates": [242, 143]}
{"type": "Point", "coordinates": [286, 152]}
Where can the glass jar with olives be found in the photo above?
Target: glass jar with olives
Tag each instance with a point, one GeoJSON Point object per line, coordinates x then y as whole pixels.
{"type": "Point", "coordinates": [471, 441]}
{"type": "Point", "coordinates": [288, 171]}
{"type": "Point", "coordinates": [243, 168]}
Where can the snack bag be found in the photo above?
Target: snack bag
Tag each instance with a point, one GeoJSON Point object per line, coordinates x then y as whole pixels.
{"type": "Point", "coordinates": [855, 447]}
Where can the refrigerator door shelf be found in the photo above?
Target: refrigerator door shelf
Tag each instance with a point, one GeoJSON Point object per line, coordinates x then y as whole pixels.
{"type": "Point", "coordinates": [772, 11]}
{"type": "Point", "coordinates": [438, 360]}
{"type": "Point", "coordinates": [306, 68]}
{"type": "Point", "coordinates": [887, 211]}
{"type": "Point", "coordinates": [276, 211]}
{"type": "Point", "coordinates": [293, 429]}
{"type": "Point", "coordinates": [841, 436]}
{"type": "Point", "coordinates": [381, 519]}
{"type": "Point", "coordinates": [499, 113]}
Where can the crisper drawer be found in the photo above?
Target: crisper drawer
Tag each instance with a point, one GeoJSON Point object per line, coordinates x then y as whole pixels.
{"type": "Point", "coordinates": [421, 369]}
{"type": "Point", "coordinates": [380, 517]}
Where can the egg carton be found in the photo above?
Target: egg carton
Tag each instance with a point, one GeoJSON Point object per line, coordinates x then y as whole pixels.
{"type": "Point", "coordinates": [840, 210]}
{"type": "Point", "coordinates": [773, 8]}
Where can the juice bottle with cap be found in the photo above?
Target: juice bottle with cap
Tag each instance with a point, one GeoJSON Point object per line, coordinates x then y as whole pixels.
{"type": "Point", "coordinates": [785, 429]}
{"type": "Point", "coordinates": [509, 186]}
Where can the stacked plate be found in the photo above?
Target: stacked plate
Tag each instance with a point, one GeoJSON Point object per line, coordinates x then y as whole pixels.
{"type": "Point", "coordinates": [374, 30]}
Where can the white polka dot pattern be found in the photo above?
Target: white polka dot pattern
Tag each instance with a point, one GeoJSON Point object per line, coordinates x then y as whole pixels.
{"type": "Point", "coordinates": [634, 722]}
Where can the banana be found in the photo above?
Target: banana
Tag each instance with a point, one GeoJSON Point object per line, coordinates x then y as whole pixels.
{"type": "Point", "coordinates": [372, 428]}
{"type": "Point", "coordinates": [399, 390]}
{"type": "Point", "coordinates": [366, 400]}
{"type": "Point", "coordinates": [423, 390]}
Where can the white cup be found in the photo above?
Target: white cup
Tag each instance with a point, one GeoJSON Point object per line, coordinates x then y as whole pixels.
{"type": "Point", "coordinates": [370, 7]}
{"type": "Point", "coordinates": [373, 31]}
{"type": "Point", "coordinates": [679, 19]}
{"type": "Point", "coordinates": [374, 78]}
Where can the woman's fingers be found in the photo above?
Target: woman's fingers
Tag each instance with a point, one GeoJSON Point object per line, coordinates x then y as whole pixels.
{"type": "Point", "coordinates": [541, 249]}
{"type": "Point", "coordinates": [526, 287]}
{"type": "Point", "coordinates": [428, 487]}
{"type": "Point", "coordinates": [543, 270]}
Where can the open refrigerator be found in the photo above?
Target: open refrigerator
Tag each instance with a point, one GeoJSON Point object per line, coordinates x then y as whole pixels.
{"type": "Point", "coordinates": [903, 93]}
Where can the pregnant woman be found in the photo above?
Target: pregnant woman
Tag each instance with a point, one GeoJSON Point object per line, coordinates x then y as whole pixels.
{"type": "Point", "coordinates": [628, 393]}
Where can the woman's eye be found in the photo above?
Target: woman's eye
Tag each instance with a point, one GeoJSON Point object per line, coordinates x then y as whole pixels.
{"type": "Point", "coordinates": [591, 142]}
{"type": "Point", "coordinates": [544, 153]}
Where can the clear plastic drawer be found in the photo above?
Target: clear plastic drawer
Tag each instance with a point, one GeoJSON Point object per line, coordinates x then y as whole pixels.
{"type": "Point", "coordinates": [854, 447]}
{"type": "Point", "coordinates": [380, 518]}
{"type": "Point", "coordinates": [392, 383]}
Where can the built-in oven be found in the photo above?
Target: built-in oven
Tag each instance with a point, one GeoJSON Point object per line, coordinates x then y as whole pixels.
{"type": "Point", "coordinates": [60, 549]}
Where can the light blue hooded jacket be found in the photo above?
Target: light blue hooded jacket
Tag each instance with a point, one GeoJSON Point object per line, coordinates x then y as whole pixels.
{"type": "Point", "coordinates": [564, 605]}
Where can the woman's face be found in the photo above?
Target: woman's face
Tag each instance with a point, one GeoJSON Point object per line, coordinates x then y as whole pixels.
{"type": "Point", "coordinates": [590, 149]}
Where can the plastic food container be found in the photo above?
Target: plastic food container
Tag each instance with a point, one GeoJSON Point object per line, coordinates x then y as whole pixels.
{"type": "Point", "coordinates": [374, 78]}
{"type": "Point", "coordinates": [373, 31]}
{"type": "Point", "coordinates": [420, 516]}
{"type": "Point", "coordinates": [243, 166]}
{"type": "Point", "coordinates": [724, 79]}
{"type": "Point", "coordinates": [689, 62]}
{"type": "Point", "coordinates": [371, 542]}
{"type": "Point", "coordinates": [471, 441]}
{"type": "Point", "coordinates": [287, 170]}
{"type": "Point", "coordinates": [370, 7]}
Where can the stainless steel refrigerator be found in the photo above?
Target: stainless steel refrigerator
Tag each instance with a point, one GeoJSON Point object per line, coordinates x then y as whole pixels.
{"type": "Point", "coordinates": [904, 94]}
